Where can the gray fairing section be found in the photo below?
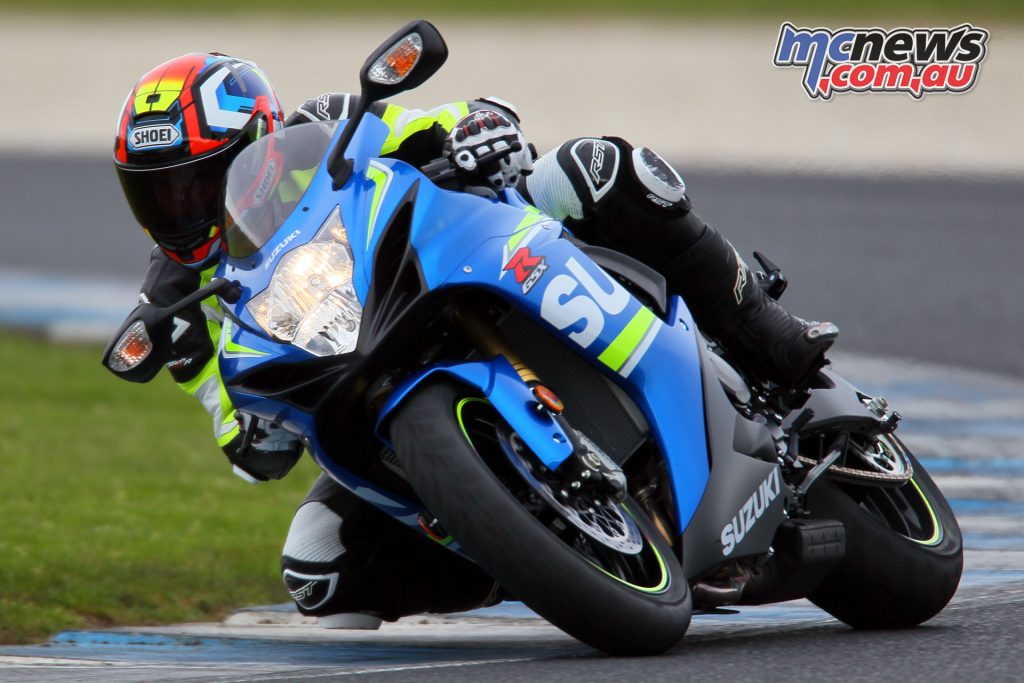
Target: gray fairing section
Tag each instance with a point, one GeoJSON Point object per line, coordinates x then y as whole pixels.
{"type": "Point", "coordinates": [735, 478]}
{"type": "Point", "coordinates": [836, 404]}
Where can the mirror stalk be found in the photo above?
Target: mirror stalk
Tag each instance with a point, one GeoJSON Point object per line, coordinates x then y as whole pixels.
{"type": "Point", "coordinates": [150, 325]}
{"type": "Point", "coordinates": [340, 166]}
{"type": "Point", "coordinates": [229, 290]}
{"type": "Point", "coordinates": [419, 41]}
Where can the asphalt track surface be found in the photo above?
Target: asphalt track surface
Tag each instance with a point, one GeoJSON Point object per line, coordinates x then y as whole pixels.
{"type": "Point", "coordinates": [919, 268]}
{"type": "Point", "coordinates": [975, 639]}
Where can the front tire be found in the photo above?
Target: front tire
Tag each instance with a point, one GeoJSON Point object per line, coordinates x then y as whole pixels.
{"type": "Point", "coordinates": [436, 448]}
{"type": "Point", "coordinates": [904, 551]}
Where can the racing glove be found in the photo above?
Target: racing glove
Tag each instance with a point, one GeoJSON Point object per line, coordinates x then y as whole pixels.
{"type": "Point", "coordinates": [262, 450]}
{"type": "Point", "coordinates": [487, 149]}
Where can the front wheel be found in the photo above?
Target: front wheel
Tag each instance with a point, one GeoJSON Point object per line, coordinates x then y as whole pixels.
{"type": "Point", "coordinates": [904, 551]}
{"type": "Point", "coordinates": [620, 592]}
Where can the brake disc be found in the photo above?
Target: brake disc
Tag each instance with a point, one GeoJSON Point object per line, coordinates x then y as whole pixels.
{"type": "Point", "coordinates": [602, 520]}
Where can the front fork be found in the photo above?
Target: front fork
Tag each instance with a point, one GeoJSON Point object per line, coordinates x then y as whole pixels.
{"type": "Point", "coordinates": [488, 340]}
{"type": "Point", "coordinates": [588, 467]}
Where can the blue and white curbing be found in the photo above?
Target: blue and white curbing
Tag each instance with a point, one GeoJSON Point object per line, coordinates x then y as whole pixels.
{"type": "Point", "coordinates": [65, 307]}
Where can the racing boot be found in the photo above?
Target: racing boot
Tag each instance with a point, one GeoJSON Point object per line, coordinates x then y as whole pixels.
{"type": "Point", "coordinates": [729, 305]}
{"type": "Point", "coordinates": [352, 566]}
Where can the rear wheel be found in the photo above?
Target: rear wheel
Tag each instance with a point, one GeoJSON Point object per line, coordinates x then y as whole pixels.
{"type": "Point", "coordinates": [904, 550]}
{"type": "Point", "coordinates": [598, 570]}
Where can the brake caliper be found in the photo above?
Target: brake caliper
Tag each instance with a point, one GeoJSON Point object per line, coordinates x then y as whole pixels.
{"type": "Point", "coordinates": [590, 467]}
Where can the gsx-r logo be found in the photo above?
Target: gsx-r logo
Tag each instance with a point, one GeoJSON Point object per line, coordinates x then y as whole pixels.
{"type": "Point", "coordinates": [913, 61]}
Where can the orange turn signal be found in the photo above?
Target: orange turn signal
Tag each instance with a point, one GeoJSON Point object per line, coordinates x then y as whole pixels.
{"type": "Point", "coordinates": [131, 349]}
{"type": "Point", "coordinates": [402, 59]}
{"type": "Point", "coordinates": [395, 64]}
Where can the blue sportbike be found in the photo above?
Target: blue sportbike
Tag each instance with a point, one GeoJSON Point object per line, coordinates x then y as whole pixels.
{"type": "Point", "coordinates": [542, 406]}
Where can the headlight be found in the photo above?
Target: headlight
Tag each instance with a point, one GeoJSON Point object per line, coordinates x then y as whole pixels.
{"type": "Point", "coordinates": [311, 301]}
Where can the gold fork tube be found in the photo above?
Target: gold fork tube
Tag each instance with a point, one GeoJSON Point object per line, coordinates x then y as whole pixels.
{"type": "Point", "coordinates": [488, 339]}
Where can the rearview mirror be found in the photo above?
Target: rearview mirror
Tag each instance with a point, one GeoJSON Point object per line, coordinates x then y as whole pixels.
{"type": "Point", "coordinates": [141, 347]}
{"type": "Point", "coordinates": [409, 57]}
{"type": "Point", "coordinates": [404, 61]}
{"type": "Point", "coordinates": [143, 344]}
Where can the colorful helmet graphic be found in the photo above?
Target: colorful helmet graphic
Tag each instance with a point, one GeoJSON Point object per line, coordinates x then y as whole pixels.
{"type": "Point", "coordinates": [179, 130]}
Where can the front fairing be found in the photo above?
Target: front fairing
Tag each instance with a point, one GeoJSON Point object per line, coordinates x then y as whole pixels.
{"type": "Point", "coordinates": [457, 240]}
{"type": "Point", "coordinates": [445, 226]}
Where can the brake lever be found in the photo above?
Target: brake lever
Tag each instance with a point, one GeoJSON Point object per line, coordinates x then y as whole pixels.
{"type": "Point", "coordinates": [250, 432]}
{"type": "Point", "coordinates": [442, 170]}
{"type": "Point", "coordinates": [499, 154]}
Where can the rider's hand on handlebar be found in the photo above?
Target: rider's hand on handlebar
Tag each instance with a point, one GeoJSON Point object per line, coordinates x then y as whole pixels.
{"type": "Point", "coordinates": [262, 450]}
{"type": "Point", "coordinates": [487, 149]}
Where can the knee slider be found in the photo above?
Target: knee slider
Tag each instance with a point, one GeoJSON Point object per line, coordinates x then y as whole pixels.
{"type": "Point", "coordinates": [310, 591]}
{"type": "Point", "coordinates": [311, 554]}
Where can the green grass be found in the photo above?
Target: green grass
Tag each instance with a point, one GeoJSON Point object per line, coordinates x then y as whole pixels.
{"type": "Point", "coordinates": [844, 10]}
{"type": "Point", "coordinates": [117, 507]}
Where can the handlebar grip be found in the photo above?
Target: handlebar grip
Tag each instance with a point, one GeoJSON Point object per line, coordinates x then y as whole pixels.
{"type": "Point", "coordinates": [439, 170]}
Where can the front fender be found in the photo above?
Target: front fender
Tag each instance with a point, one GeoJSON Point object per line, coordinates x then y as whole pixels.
{"type": "Point", "coordinates": [498, 381]}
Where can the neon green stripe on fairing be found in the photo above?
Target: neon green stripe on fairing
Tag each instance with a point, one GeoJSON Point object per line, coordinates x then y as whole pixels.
{"type": "Point", "coordinates": [232, 349]}
{"type": "Point", "coordinates": [531, 219]}
{"type": "Point", "coordinates": [626, 342]}
{"type": "Point", "coordinates": [937, 528]}
{"type": "Point", "coordinates": [379, 178]}
{"type": "Point", "coordinates": [662, 585]}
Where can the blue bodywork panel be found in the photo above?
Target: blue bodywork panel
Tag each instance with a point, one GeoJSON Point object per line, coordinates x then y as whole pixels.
{"type": "Point", "coordinates": [500, 383]}
{"type": "Point", "coordinates": [507, 248]}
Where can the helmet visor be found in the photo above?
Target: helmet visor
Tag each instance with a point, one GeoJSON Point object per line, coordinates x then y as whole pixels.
{"type": "Point", "coordinates": [176, 202]}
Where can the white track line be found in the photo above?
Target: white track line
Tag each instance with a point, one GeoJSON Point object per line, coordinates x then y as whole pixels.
{"type": "Point", "coordinates": [384, 669]}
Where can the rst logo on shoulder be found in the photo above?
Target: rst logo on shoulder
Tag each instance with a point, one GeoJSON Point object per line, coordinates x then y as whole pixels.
{"type": "Point", "coordinates": [160, 135]}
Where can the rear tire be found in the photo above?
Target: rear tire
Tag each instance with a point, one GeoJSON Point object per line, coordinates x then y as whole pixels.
{"type": "Point", "coordinates": [523, 554]}
{"type": "Point", "coordinates": [904, 551]}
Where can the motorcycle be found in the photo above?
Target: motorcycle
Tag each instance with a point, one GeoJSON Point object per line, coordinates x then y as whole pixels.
{"type": "Point", "coordinates": [543, 406]}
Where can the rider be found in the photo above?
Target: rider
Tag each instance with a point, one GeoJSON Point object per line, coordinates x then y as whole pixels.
{"type": "Point", "coordinates": [187, 119]}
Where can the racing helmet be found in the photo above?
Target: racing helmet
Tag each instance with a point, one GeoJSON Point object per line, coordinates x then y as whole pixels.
{"type": "Point", "coordinates": [180, 128]}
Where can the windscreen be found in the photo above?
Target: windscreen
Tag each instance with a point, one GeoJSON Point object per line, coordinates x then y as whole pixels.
{"type": "Point", "coordinates": [267, 181]}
